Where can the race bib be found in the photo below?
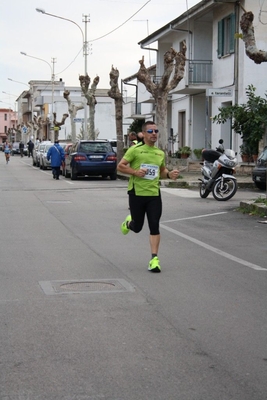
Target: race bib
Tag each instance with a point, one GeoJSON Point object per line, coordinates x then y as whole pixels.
{"type": "Point", "coordinates": [152, 171]}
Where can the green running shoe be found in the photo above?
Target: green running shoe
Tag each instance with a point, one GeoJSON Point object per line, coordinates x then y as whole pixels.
{"type": "Point", "coordinates": [153, 265]}
{"type": "Point", "coordinates": [124, 227]}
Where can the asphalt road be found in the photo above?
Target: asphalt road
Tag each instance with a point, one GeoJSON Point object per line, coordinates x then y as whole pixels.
{"type": "Point", "coordinates": [82, 318]}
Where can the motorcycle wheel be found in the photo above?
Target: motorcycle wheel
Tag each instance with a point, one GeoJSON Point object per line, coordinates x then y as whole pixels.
{"type": "Point", "coordinates": [227, 191]}
{"type": "Point", "coordinates": [203, 191]}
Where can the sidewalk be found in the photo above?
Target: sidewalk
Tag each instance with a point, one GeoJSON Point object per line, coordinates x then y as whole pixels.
{"type": "Point", "coordinates": [191, 180]}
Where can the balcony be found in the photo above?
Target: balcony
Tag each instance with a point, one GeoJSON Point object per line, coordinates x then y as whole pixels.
{"type": "Point", "coordinates": [198, 77]}
{"type": "Point", "coordinates": [199, 72]}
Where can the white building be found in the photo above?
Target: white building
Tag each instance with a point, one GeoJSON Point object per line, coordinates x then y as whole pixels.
{"type": "Point", "coordinates": [44, 99]}
{"type": "Point", "coordinates": [216, 59]}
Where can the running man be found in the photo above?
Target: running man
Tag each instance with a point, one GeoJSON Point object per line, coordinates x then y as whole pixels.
{"type": "Point", "coordinates": [7, 150]}
{"type": "Point", "coordinates": [146, 165]}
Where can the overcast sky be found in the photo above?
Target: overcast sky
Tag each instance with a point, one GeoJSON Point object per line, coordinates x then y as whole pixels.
{"type": "Point", "coordinates": [23, 29]}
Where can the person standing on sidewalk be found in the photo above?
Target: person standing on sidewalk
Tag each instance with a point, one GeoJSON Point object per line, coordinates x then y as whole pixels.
{"type": "Point", "coordinates": [57, 155]}
{"type": "Point", "coordinates": [146, 165]}
{"type": "Point", "coordinates": [132, 139]}
{"type": "Point", "coordinates": [30, 145]}
{"type": "Point", "coordinates": [21, 148]}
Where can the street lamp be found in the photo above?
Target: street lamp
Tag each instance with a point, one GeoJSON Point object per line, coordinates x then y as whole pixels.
{"type": "Point", "coordinates": [52, 80]}
{"type": "Point", "coordinates": [29, 88]}
{"type": "Point", "coordinates": [22, 83]}
{"type": "Point", "coordinates": [85, 50]}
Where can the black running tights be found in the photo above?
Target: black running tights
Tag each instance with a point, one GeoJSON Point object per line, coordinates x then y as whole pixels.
{"type": "Point", "coordinates": [151, 206]}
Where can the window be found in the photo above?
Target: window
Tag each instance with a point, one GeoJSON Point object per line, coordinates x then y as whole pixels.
{"type": "Point", "coordinates": [5, 117]}
{"type": "Point", "coordinates": [226, 36]}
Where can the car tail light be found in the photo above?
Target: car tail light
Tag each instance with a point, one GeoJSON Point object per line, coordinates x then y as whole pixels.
{"type": "Point", "coordinates": [111, 158]}
{"type": "Point", "coordinates": [80, 158]}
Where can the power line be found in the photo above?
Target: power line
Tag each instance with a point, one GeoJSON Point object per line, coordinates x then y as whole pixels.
{"type": "Point", "coordinates": [101, 37]}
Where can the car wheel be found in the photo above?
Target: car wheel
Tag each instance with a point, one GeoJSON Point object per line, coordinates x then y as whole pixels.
{"type": "Point", "coordinates": [63, 172]}
{"type": "Point", "coordinates": [113, 176]}
{"type": "Point", "coordinates": [67, 174]}
{"type": "Point", "coordinates": [260, 185]}
{"type": "Point", "coordinates": [73, 175]}
{"type": "Point", "coordinates": [33, 162]}
{"type": "Point", "coordinates": [104, 176]}
{"type": "Point", "coordinates": [40, 166]}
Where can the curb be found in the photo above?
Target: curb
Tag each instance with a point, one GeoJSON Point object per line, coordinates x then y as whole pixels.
{"type": "Point", "coordinates": [251, 206]}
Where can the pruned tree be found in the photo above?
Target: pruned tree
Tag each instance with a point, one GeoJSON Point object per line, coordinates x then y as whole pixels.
{"type": "Point", "coordinates": [34, 126]}
{"type": "Point", "coordinates": [91, 101]}
{"type": "Point", "coordinates": [89, 94]}
{"type": "Point", "coordinates": [248, 36]}
{"type": "Point", "coordinates": [174, 64]}
{"type": "Point", "coordinates": [58, 124]}
{"type": "Point", "coordinates": [115, 94]}
{"type": "Point", "coordinates": [73, 109]}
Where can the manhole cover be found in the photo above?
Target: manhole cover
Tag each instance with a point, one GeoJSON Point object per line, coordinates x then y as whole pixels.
{"type": "Point", "coordinates": [86, 286]}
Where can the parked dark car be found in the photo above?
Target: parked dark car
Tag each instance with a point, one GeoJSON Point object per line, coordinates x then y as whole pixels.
{"type": "Point", "coordinates": [92, 158]}
{"type": "Point", "coordinates": [259, 172]}
{"type": "Point", "coordinates": [16, 150]}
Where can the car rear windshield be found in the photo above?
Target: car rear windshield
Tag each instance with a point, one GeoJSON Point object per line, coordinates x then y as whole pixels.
{"type": "Point", "coordinates": [95, 147]}
{"type": "Point", "coordinates": [263, 155]}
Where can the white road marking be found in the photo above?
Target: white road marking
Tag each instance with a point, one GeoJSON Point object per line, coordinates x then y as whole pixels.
{"type": "Point", "coordinates": [181, 192]}
{"type": "Point", "coordinates": [197, 216]}
{"type": "Point", "coordinates": [214, 249]}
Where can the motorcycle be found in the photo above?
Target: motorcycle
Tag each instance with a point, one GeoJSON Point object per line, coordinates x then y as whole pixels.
{"type": "Point", "coordinates": [217, 173]}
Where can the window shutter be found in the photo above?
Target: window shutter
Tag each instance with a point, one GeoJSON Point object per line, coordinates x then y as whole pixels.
{"type": "Point", "coordinates": [232, 33]}
{"type": "Point", "coordinates": [220, 39]}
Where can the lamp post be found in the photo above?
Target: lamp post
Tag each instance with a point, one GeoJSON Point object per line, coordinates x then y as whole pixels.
{"type": "Point", "coordinates": [52, 80]}
{"type": "Point", "coordinates": [20, 111]}
{"type": "Point", "coordinates": [85, 50]}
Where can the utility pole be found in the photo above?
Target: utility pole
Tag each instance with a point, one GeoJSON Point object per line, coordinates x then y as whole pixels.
{"type": "Point", "coordinates": [53, 61]}
{"type": "Point", "coordinates": [85, 53]}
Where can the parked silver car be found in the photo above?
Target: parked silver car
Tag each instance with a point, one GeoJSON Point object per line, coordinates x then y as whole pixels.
{"type": "Point", "coordinates": [44, 163]}
{"type": "Point", "coordinates": [38, 149]}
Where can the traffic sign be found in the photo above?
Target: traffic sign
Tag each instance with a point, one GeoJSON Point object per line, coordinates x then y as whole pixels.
{"type": "Point", "coordinates": [213, 92]}
{"type": "Point", "coordinates": [78, 119]}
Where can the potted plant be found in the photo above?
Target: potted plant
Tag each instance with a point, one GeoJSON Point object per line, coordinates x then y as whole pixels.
{"type": "Point", "coordinates": [198, 153]}
{"type": "Point", "coordinates": [245, 152]}
{"type": "Point", "coordinates": [184, 151]}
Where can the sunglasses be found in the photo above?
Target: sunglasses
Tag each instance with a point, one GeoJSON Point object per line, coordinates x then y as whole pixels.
{"type": "Point", "coordinates": [152, 130]}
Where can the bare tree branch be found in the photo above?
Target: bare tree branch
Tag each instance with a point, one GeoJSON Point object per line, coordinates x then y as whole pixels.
{"type": "Point", "coordinates": [246, 25]}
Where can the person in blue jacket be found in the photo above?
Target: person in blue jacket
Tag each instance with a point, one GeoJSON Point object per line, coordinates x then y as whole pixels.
{"type": "Point", "coordinates": [57, 155]}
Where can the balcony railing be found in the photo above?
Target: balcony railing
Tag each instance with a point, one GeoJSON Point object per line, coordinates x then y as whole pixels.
{"type": "Point", "coordinates": [199, 71]}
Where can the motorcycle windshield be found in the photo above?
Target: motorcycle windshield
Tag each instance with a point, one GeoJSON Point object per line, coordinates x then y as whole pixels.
{"type": "Point", "coordinates": [230, 154]}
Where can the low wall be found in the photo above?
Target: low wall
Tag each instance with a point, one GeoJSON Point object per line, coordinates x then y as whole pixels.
{"type": "Point", "coordinates": [195, 166]}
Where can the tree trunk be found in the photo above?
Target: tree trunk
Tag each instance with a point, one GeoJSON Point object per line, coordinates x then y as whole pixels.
{"type": "Point", "coordinates": [73, 112]}
{"type": "Point", "coordinates": [91, 101]}
{"type": "Point", "coordinates": [115, 94]}
{"type": "Point", "coordinates": [174, 63]}
{"type": "Point", "coordinates": [161, 121]}
{"type": "Point", "coordinates": [57, 124]}
{"type": "Point", "coordinates": [246, 25]}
